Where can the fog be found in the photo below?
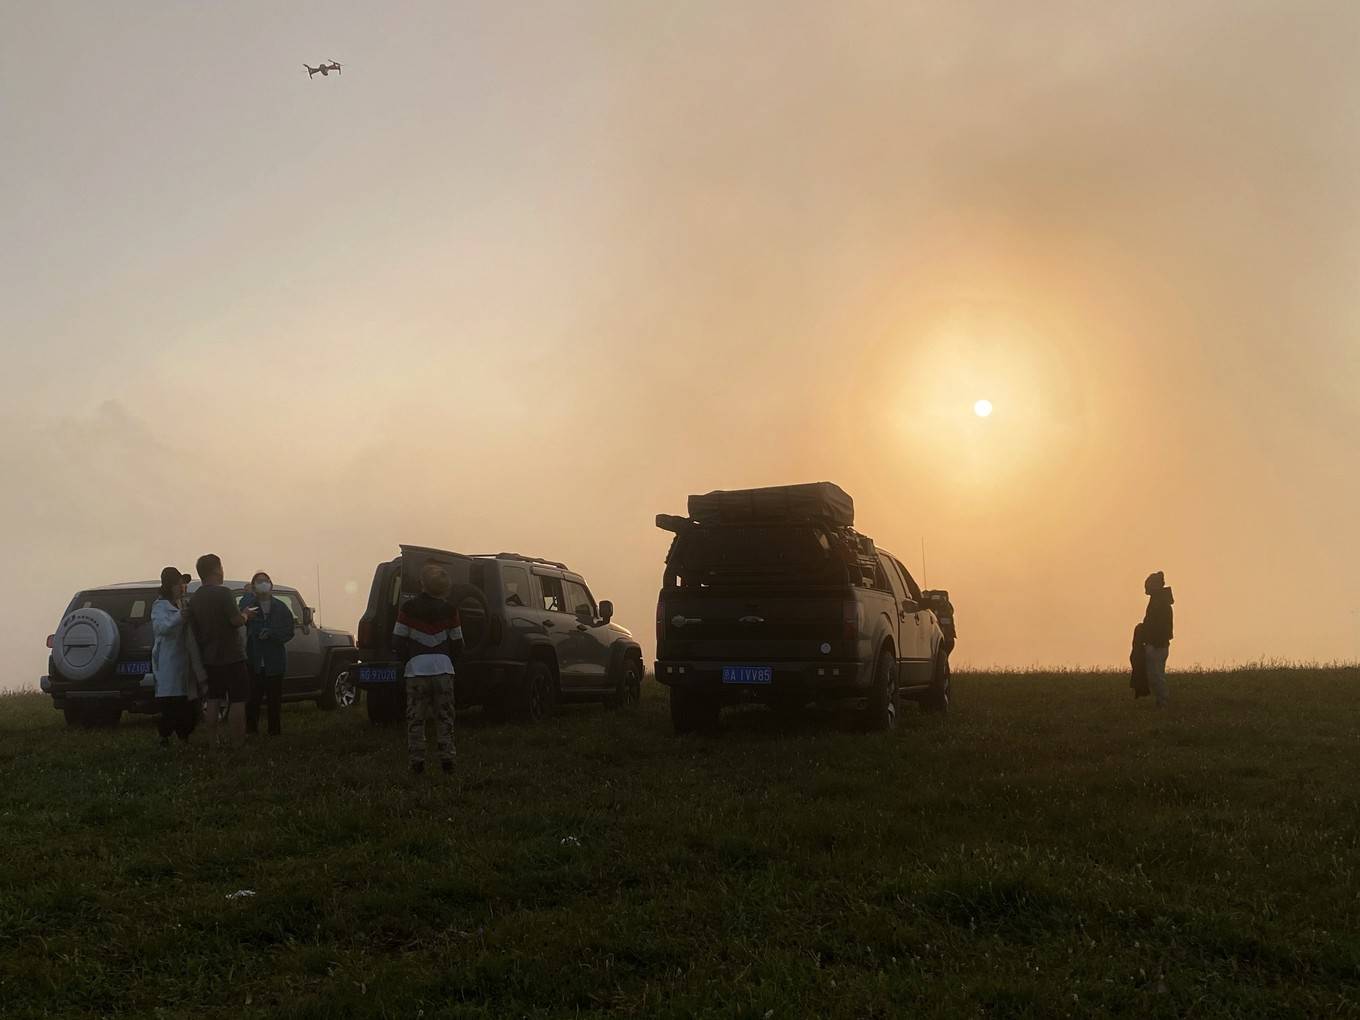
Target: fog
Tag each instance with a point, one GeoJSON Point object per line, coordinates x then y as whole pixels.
{"type": "Point", "coordinates": [521, 278]}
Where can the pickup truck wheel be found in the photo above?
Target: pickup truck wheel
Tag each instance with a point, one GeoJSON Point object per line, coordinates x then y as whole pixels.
{"type": "Point", "coordinates": [693, 711]}
{"type": "Point", "coordinates": [937, 698]}
{"type": "Point", "coordinates": [539, 693]}
{"type": "Point", "coordinates": [386, 705]}
{"type": "Point", "coordinates": [881, 715]}
{"type": "Point", "coordinates": [628, 691]}
{"type": "Point", "coordinates": [340, 690]}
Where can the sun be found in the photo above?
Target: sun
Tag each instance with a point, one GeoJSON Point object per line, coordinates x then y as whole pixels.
{"type": "Point", "coordinates": [982, 408]}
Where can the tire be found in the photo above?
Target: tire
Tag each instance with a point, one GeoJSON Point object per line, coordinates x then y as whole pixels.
{"type": "Point", "coordinates": [881, 715]}
{"type": "Point", "coordinates": [937, 699]}
{"type": "Point", "coordinates": [628, 689]}
{"type": "Point", "coordinates": [694, 711]}
{"type": "Point", "coordinates": [223, 710]}
{"type": "Point", "coordinates": [86, 644]}
{"type": "Point", "coordinates": [538, 692]}
{"type": "Point", "coordinates": [473, 616]}
{"type": "Point", "coordinates": [386, 705]}
{"type": "Point", "coordinates": [340, 690]}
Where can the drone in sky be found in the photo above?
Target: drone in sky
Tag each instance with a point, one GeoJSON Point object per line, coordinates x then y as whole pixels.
{"type": "Point", "coordinates": [325, 68]}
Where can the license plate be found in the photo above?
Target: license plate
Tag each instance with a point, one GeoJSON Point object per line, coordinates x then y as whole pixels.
{"type": "Point", "coordinates": [748, 674]}
{"type": "Point", "coordinates": [377, 674]}
{"type": "Point", "coordinates": [137, 669]}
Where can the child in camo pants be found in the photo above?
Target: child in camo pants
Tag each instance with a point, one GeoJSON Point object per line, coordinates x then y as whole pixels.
{"type": "Point", "coordinates": [428, 638]}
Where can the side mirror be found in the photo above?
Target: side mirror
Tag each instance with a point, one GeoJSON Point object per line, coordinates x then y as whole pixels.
{"type": "Point", "coordinates": [307, 616]}
{"type": "Point", "coordinates": [606, 611]}
{"type": "Point", "coordinates": [910, 606]}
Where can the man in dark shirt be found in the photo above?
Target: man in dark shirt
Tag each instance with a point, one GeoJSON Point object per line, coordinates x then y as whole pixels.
{"type": "Point", "coordinates": [217, 627]}
{"type": "Point", "coordinates": [1157, 633]}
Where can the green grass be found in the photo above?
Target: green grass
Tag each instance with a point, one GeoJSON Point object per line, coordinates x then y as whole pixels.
{"type": "Point", "coordinates": [1051, 848]}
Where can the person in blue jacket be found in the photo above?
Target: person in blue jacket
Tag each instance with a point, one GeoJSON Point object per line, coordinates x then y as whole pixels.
{"type": "Point", "coordinates": [267, 634]}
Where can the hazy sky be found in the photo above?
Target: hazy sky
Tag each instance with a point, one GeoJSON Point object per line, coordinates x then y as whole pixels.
{"type": "Point", "coordinates": [526, 275]}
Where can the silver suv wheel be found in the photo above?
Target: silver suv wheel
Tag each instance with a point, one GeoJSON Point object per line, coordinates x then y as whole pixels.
{"type": "Point", "coordinates": [346, 693]}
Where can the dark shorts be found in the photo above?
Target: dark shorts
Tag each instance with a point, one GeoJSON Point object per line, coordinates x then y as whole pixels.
{"type": "Point", "coordinates": [230, 682]}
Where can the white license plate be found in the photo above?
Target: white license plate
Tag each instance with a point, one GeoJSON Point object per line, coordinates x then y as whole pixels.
{"type": "Point", "coordinates": [748, 674]}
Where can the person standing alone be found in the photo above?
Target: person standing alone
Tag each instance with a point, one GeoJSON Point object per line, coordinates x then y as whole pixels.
{"type": "Point", "coordinates": [1157, 632]}
{"type": "Point", "coordinates": [217, 626]}
{"type": "Point", "coordinates": [428, 639]}
{"type": "Point", "coordinates": [266, 635]}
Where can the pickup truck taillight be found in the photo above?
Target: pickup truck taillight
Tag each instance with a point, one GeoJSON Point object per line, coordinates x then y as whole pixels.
{"type": "Point", "coordinates": [660, 618]}
{"type": "Point", "coordinates": [51, 640]}
{"type": "Point", "coordinates": [850, 620]}
{"type": "Point", "coordinates": [365, 632]}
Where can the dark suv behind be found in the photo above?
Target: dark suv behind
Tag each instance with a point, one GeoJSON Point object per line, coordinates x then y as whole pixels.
{"type": "Point", "coordinates": [534, 636]}
{"type": "Point", "coordinates": [318, 657]}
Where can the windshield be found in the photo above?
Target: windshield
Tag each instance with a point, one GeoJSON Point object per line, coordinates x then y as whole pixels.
{"type": "Point", "coordinates": [737, 554]}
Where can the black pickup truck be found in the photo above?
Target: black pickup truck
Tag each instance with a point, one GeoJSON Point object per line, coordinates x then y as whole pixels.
{"type": "Point", "coordinates": [771, 595]}
{"type": "Point", "coordinates": [534, 635]}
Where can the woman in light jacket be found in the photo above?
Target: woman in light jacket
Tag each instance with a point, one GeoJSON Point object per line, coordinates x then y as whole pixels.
{"type": "Point", "coordinates": [174, 658]}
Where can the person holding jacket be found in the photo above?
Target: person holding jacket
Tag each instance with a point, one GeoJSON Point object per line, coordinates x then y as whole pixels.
{"type": "Point", "coordinates": [428, 638]}
{"type": "Point", "coordinates": [267, 633]}
{"type": "Point", "coordinates": [174, 659]}
{"type": "Point", "coordinates": [1157, 631]}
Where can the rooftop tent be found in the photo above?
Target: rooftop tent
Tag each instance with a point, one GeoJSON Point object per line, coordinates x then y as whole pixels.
{"type": "Point", "coordinates": [814, 501]}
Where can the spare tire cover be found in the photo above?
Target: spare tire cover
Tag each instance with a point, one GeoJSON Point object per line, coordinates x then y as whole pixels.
{"type": "Point", "coordinates": [85, 644]}
{"type": "Point", "coordinates": [472, 615]}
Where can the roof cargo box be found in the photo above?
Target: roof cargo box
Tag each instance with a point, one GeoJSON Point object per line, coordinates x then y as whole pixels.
{"type": "Point", "coordinates": [820, 501]}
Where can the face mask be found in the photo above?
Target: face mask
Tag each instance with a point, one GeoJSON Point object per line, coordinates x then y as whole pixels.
{"type": "Point", "coordinates": [263, 588]}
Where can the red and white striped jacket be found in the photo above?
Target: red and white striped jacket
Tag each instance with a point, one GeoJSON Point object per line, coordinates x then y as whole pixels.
{"type": "Point", "coordinates": [428, 636]}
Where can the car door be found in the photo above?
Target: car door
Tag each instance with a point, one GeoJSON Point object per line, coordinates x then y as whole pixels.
{"type": "Point", "coordinates": [521, 611]}
{"type": "Point", "coordinates": [904, 627]}
{"type": "Point", "coordinates": [557, 622]}
{"type": "Point", "coordinates": [589, 653]}
{"type": "Point", "coordinates": [304, 651]}
{"type": "Point", "coordinates": [921, 666]}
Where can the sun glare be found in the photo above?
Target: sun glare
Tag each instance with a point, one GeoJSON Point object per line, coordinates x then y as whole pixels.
{"type": "Point", "coordinates": [982, 408]}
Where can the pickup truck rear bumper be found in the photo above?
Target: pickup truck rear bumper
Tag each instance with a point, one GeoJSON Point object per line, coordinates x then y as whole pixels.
{"type": "Point", "coordinates": [815, 679]}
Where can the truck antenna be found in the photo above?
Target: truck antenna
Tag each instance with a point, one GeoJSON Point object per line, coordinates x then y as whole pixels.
{"type": "Point", "coordinates": [924, 583]}
{"type": "Point", "coordinates": [317, 609]}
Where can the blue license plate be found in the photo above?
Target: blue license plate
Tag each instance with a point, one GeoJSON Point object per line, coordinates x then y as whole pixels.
{"type": "Point", "coordinates": [377, 674]}
{"type": "Point", "coordinates": [137, 669]}
{"type": "Point", "coordinates": [748, 674]}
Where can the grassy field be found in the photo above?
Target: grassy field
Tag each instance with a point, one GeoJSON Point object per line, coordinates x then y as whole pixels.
{"type": "Point", "coordinates": [1050, 849]}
